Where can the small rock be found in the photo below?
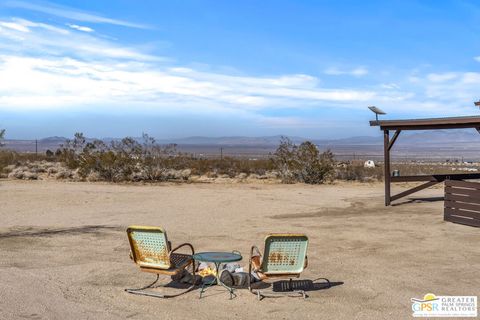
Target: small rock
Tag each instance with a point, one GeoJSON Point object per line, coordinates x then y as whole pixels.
{"type": "Point", "coordinates": [253, 176]}
{"type": "Point", "coordinates": [271, 174]}
{"type": "Point", "coordinates": [30, 175]}
{"type": "Point", "coordinates": [93, 176]}
{"type": "Point", "coordinates": [63, 174]}
{"type": "Point", "coordinates": [18, 173]}
{"type": "Point", "coordinates": [242, 175]}
{"type": "Point", "coordinates": [9, 168]}
{"type": "Point", "coordinates": [185, 174]}
{"type": "Point", "coordinates": [52, 170]}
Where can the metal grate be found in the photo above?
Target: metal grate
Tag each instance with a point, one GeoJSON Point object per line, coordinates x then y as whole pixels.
{"type": "Point", "coordinates": [285, 254]}
{"type": "Point", "coordinates": [150, 248]}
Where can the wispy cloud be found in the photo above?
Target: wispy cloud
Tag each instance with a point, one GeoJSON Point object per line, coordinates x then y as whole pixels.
{"type": "Point", "coordinates": [442, 77]}
{"type": "Point", "coordinates": [356, 72]}
{"type": "Point", "coordinates": [390, 86]}
{"type": "Point", "coordinates": [46, 39]}
{"type": "Point", "coordinates": [80, 70]}
{"type": "Point", "coordinates": [448, 92]}
{"type": "Point", "coordinates": [70, 13]}
{"type": "Point", "coordinates": [80, 28]}
{"type": "Point", "coordinates": [48, 66]}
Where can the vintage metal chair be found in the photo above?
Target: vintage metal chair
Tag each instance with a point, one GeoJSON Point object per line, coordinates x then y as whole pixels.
{"type": "Point", "coordinates": [285, 257]}
{"type": "Point", "coordinates": [151, 251]}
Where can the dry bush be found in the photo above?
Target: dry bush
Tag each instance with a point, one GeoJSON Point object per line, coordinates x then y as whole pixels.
{"type": "Point", "coordinates": [357, 172]}
{"type": "Point", "coordinates": [230, 166]}
{"type": "Point", "coordinates": [130, 160]}
{"type": "Point", "coordinates": [116, 162]}
{"type": "Point", "coordinates": [8, 157]}
{"type": "Point", "coordinates": [303, 163]}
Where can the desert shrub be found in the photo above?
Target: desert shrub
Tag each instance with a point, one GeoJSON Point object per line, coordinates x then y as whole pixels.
{"type": "Point", "coordinates": [6, 158]}
{"type": "Point", "coordinates": [303, 163]}
{"type": "Point", "coordinates": [122, 160]}
{"type": "Point", "coordinates": [155, 162]}
{"type": "Point", "coordinates": [116, 162]}
{"type": "Point", "coordinates": [69, 151]}
{"type": "Point", "coordinates": [356, 172]}
{"type": "Point", "coordinates": [230, 166]}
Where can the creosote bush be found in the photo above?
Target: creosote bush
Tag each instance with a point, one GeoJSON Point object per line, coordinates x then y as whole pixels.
{"type": "Point", "coordinates": [303, 163]}
{"type": "Point", "coordinates": [145, 160]}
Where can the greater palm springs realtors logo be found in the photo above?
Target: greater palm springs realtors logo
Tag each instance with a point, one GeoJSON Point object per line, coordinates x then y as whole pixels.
{"type": "Point", "coordinates": [444, 306]}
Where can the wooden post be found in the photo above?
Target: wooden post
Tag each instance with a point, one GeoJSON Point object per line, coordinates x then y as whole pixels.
{"type": "Point", "coordinates": [386, 165]}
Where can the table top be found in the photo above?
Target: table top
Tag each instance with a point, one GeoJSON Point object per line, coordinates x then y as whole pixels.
{"type": "Point", "coordinates": [217, 256]}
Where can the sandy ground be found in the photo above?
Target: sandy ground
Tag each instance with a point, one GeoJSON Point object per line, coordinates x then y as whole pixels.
{"type": "Point", "coordinates": [64, 251]}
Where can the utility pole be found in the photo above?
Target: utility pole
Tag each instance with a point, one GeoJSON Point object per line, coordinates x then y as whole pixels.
{"type": "Point", "coordinates": [36, 148]}
{"type": "Point", "coordinates": [221, 153]}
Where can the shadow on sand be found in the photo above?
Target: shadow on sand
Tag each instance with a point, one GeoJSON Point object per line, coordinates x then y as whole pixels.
{"type": "Point", "coordinates": [45, 232]}
{"type": "Point", "coordinates": [419, 200]}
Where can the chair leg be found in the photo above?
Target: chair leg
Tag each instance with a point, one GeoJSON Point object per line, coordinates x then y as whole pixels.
{"type": "Point", "coordinates": [291, 292]}
{"type": "Point", "coordinates": [143, 292]}
{"type": "Point", "coordinates": [146, 287]}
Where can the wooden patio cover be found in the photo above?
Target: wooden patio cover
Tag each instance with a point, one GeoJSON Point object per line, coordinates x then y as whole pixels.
{"type": "Point", "coordinates": [420, 124]}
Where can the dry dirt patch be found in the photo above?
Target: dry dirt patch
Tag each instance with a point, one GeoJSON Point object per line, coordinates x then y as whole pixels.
{"type": "Point", "coordinates": [65, 252]}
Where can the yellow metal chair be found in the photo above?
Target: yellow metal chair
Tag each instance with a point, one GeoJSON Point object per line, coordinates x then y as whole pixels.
{"type": "Point", "coordinates": [151, 251]}
{"type": "Point", "coordinates": [284, 257]}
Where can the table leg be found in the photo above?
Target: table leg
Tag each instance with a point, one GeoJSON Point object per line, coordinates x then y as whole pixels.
{"type": "Point", "coordinates": [205, 286]}
{"type": "Point", "coordinates": [232, 294]}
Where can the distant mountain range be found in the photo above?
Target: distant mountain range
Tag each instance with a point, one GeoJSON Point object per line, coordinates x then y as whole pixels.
{"type": "Point", "coordinates": [442, 142]}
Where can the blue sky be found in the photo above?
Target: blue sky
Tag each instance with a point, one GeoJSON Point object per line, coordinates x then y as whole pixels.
{"type": "Point", "coordinates": [222, 68]}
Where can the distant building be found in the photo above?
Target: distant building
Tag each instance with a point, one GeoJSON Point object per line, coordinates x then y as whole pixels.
{"type": "Point", "coordinates": [369, 164]}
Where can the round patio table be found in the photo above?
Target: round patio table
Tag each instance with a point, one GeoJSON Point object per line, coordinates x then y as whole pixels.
{"type": "Point", "coordinates": [217, 258]}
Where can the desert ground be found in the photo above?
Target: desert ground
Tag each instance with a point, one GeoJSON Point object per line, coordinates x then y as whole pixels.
{"type": "Point", "coordinates": [64, 250]}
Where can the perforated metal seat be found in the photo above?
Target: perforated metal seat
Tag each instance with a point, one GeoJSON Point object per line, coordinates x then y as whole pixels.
{"type": "Point", "coordinates": [285, 257]}
{"type": "Point", "coordinates": [178, 261]}
{"type": "Point", "coordinates": [151, 251]}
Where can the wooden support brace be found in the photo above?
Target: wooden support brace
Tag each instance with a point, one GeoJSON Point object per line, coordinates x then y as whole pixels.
{"type": "Point", "coordinates": [394, 138]}
{"type": "Point", "coordinates": [413, 190]}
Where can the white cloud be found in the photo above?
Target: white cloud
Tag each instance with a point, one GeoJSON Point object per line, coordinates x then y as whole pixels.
{"type": "Point", "coordinates": [390, 86]}
{"type": "Point", "coordinates": [44, 66]}
{"type": "Point", "coordinates": [356, 72]}
{"type": "Point", "coordinates": [80, 28]}
{"type": "Point", "coordinates": [43, 38]}
{"type": "Point", "coordinates": [441, 77]}
{"type": "Point", "coordinates": [14, 26]}
{"type": "Point", "coordinates": [51, 82]}
{"type": "Point", "coordinates": [70, 13]}
{"type": "Point", "coordinates": [477, 58]}
{"type": "Point", "coordinates": [449, 93]}
{"type": "Point", "coordinates": [80, 70]}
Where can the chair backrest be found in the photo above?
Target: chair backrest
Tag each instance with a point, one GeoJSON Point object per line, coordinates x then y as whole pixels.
{"type": "Point", "coordinates": [149, 246]}
{"type": "Point", "coordinates": [284, 253]}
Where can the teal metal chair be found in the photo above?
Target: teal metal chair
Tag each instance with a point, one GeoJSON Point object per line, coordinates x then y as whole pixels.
{"type": "Point", "coordinates": [151, 251]}
{"type": "Point", "coordinates": [284, 257]}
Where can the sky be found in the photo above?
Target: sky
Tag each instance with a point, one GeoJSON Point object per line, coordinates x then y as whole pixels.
{"type": "Point", "coordinates": [233, 68]}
